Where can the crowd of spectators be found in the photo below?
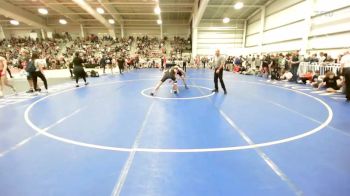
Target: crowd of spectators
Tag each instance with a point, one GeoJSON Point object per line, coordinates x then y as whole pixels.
{"type": "Point", "coordinates": [149, 52]}
{"type": "Point", "coordinates": [59, 51]}
{"type": "Point", "coordinates": [179, 44]}
{"type": "Point", "coordinates": [286, 67]}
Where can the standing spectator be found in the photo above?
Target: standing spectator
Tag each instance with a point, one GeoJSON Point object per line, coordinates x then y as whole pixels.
{"type": "Point", "coordinates": [322, 58]}
{"type": "Point", "coordinates": [295, 65]}
{"type": "Point", "coordinates": [257, 62]}
{"type": "Point", "coordinates": [103, 63]}
{"type": "Point", "coordinates": [282, 62]}
{"type": "Point", "coordinates": [313, 58]}
{"type": "Point", "coordinates": [266, 63]}
{"type": "Point", "coordinates": [121, 63]}
{"type": "Point", "coordinates": [184, 63]}
{"type": "Point", "coordinates": [109, 62]}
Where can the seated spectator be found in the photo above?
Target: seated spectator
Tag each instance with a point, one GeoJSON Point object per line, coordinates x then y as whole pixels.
{"type": "Point", "coordinates": [287, 75]}
{"type": "Point", "coordinates": [331, 82]}
{"type": "Point", "coordinates": [316, 79]}
{"type": "Point", "coordinates": [306, 77]}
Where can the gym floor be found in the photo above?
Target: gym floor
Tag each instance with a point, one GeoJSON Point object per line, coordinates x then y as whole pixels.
{"type": "Point", "coordinates": [112, 138]}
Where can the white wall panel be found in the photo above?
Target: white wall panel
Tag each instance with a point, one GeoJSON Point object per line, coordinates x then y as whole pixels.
{"type": "Point", "coordinates": [213, 35]}
{"type": "Point", "coordinates": [252, 40]}
{"type": "Point", "coordinates": [253, 28]}
{"type": "Point", "coordinates": [337, 21]}
{"type": "Point", "coordinates": [289, 15]}
{"type": "Point", "coordinates": [218, 45]}
{"type": "Point", "coordinates": [289, 32]}
{"type": "Point", "coordinates": [331, 41]}
{"type": "Point", "coordinates": [172, 31]}
{"type": "Point", "coordinates": [285, 46]}
{"type": "Point", "coordinates": [254, 18]}
{"type": "Point", "coordinates": [252, 50]}
{"type": "Point", "coordinates": [279, 5]}
{"type": "Point", "coordinates": [219, 41]}
{"type": "Point", "coordinates": [224, 51]}
{"type": "Point", "coordinates": [321, 6]}
{"type": "Point", "coordinates": [329, 29]}
{"type": "Point", "coordinates": [208, 41]}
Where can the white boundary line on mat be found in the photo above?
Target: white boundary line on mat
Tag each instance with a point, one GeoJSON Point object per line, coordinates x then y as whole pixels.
{"type": "Point", "coordinates": [179, 150]}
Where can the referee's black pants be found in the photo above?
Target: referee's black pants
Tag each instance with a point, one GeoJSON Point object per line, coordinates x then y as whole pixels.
{"type": "Point", "coordinates": [219, 76]}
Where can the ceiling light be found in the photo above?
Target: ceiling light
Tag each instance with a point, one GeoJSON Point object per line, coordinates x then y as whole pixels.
{"type": "Point", "coordinates": [159, 22]}
{"type": "Point", "coordinates": [63, 21]}
{"type": "Point", "coordinates": [100, 10]}
{"type": "Point", "coordinates": [157, 10]}
{"type": "Point", "coordinates": [43, 11]}
{"type": "Point", "coordinates": [111, 21]}
{"type": "Point", "coordinates": [226, 20]}
{"type": "Point", "coordinates": [238, 5]}
{"type": "Point", "coordinates": [14, 22]}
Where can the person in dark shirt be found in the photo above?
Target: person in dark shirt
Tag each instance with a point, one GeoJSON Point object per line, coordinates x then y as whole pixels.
{"type": "Point", "coordinates": [330, 82]}
{"type": "Point", "coordinates": [274, 69]}
{"type": "Point", "coordinates": [103, 63]}
{"type": "Point", "coordinates": [78, 70]}
{"type": "Point", "coordinates": [266, 64]}
{"type": "Point", "coordinates": [121, 62]}
{"type": "Point", "coordinates": [295, 66]}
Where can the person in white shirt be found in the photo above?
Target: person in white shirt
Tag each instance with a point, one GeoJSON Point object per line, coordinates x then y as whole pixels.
{"type": "Point", "coordinates": [287, 76]}
{"type": "Point", "coordinates": [345, 67]}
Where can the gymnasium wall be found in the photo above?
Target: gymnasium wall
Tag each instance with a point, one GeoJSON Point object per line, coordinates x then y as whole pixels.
{"type": "Point", "coordinates": [286, 24]}
{"type": "Point", "coordinates": [229, 38]}
{"type": "Point", "coordinates": [330, 25]}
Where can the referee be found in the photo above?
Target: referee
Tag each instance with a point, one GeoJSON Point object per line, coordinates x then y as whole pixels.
{"type": "Point", "coordinates": [219, 63]}
{"type": "Point", "coordinates": [345, 66]}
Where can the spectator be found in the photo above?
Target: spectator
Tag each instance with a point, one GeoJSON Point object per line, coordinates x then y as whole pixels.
{"type": "Point", "coordinates": [295, 62]}
{"type": "Point", "coordinates": [331, 82]}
